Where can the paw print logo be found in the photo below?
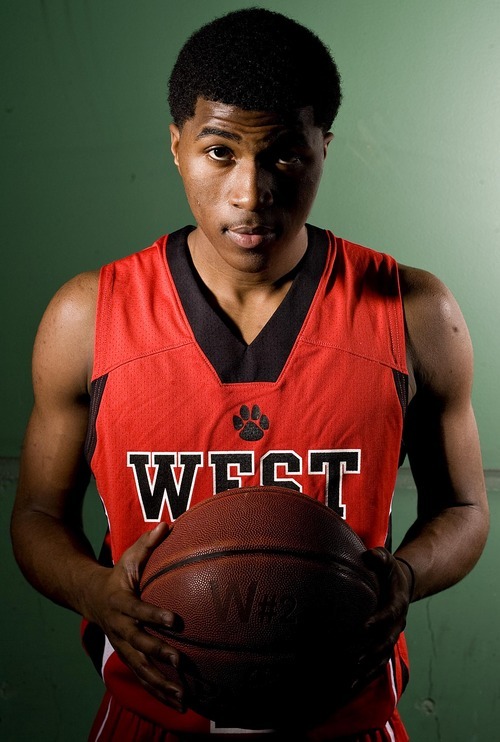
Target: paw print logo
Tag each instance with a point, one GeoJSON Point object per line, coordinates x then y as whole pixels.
{"type": "Point", "coordinates": [251, 425]}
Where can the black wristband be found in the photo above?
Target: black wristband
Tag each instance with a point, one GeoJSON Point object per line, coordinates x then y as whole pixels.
{"type": "Point", "coordinates": [412, 575]}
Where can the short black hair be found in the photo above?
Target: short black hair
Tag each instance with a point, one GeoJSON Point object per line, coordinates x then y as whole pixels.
{"type": "Point", "coordinates": [258, 60]}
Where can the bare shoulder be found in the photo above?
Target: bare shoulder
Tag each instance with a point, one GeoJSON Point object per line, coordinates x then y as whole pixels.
{"type": "Point", "coordinates": [63, 349]}
{"type": "Point", "coordinates": [439, 347]}
{"type": "Point", "coordinates": [79, 293]}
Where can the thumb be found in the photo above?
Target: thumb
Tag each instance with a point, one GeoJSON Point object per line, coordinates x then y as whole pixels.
{"type": "Point", "coordinates": [156, 535]}
{"type": "Point", "coordinates": [377, 558]}
{"type": "Point", "coordinates": [135, 557]}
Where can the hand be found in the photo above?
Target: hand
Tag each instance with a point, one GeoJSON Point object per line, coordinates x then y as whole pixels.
{"type": "Point", "coordinates": [115, 607]}
{"type": "Point", "coordinates": [389, 620]}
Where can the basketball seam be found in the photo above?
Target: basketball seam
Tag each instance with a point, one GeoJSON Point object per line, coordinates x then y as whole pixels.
{"type": "Point", "coordinates": [312, 556]}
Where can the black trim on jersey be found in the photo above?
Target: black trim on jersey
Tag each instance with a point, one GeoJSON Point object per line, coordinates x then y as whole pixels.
{"type": "Point", "coordinates": [264, 358]}
{"type": "Point", "coordinates": [388, 539]}
{"type": "Point", "coordinates": [97, 390]}
{"type": "Point", "coordinates": [401, 382]}
{"type": "Point", "coordinates": [93, 640]}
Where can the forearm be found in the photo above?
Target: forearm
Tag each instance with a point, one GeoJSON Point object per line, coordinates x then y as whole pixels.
{"type": "Point", "coordinates": [56, 558]}
{"type": "Point", "coordinates": [444, 549]}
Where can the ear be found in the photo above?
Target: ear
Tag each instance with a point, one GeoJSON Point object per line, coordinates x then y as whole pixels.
{"type": "Point", "coordinates": [175, 136]}
{"type": "Point", "coordinates": [326, 141]}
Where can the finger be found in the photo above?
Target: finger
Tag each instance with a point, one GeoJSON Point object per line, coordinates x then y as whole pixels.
{"type": "Point", "coordinates": [134, 558]}
{"type": "Point", "coordinates": [141, 651]}
{"type": "Point", "coordinates": [378, 559]}
{"type": "Point", "coordinates": [394, 592]}
{"type": "Point", "coordinates": [152, 646]}
{"type": "Point", "coordinates": [386, 625]}
{"type": "Point", "coordinates": [145, 613]}
{"type": "Point", "coordinates": [365, 679]}
{"type": "Point", "coordinates": [156, 535]}
{"type": "Point", "coordinates": [165, 689]}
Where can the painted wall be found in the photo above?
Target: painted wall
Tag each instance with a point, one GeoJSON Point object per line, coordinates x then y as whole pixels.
{"type": "Point", "coordinates": [87, 177]}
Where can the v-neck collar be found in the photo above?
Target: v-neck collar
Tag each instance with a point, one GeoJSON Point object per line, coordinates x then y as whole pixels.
{"type": "Point", "coordinates": [264, 358]}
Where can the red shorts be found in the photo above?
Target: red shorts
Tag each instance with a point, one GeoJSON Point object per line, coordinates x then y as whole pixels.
{"type": "Point", "coordinates": [114, 723]}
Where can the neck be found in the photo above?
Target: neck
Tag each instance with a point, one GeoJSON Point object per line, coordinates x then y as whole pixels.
{"type": "Point", "coordinates": [247, 292]}
{"type": "Point", "coordinates": [243, 272]}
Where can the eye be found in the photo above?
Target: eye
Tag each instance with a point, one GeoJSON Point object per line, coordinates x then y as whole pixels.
{"type": "Point", "coordinates": [289, 158]}
{"type": "Point", "coordinates": [220, 153]}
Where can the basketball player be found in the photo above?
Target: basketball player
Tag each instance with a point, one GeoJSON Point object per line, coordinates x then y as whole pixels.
{"type": "Point", "coordinates": [252, 348]}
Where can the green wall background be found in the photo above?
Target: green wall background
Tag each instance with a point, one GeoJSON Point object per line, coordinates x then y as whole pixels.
{"type": "Point", "coordinates": [87, 177]}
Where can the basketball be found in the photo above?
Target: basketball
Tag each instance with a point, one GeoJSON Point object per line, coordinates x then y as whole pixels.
{"type": "Point", "coordinates": [272, 595]}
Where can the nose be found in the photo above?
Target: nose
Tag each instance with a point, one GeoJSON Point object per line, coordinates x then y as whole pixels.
{"type": "Point", "coordinates": [251, 186]}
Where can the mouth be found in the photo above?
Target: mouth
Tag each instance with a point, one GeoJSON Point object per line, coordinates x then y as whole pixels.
{"type": "Point", "coordinates": [250, 235]}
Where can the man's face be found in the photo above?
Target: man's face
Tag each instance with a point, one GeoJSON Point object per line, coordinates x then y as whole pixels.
{"type": "Point", "coordinates": [250, 177]}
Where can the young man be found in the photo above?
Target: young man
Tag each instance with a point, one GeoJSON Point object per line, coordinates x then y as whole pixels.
{"type": "Point", "coordinates": [174, 373]}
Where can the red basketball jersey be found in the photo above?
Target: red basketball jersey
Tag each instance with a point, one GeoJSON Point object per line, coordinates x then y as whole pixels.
{"type": "Point", "coordinates": [182, 409]}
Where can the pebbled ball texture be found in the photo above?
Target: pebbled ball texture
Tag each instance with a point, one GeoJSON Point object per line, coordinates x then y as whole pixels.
{"type": "Point", "coordinates": [272, 595]}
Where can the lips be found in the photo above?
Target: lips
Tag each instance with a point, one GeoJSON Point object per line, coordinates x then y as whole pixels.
{"type": "Point", "coordinates": [247, 236]}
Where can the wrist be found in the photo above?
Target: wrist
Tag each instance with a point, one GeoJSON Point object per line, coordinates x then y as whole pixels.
{"type": "Point", "coordinates": [410, 576]}
{"type": "Point", "coordinates": [92, 590]}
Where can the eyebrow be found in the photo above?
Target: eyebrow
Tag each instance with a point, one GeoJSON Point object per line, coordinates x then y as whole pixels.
{"type": "Point", "coordinates": [210, 131]}
{"type": "Point", "coordinates": [296, 137]}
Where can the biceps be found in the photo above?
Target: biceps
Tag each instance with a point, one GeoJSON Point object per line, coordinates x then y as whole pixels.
{"type": "Point", "coordinates": [53, 472]}
{"type": "Point", "coordinates": [444, 453]}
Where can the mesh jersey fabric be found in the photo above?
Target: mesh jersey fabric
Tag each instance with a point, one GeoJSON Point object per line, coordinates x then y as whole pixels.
{"type": "Point", "coordinates": [181, 409]}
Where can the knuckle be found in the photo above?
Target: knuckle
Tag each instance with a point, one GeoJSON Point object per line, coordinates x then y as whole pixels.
{"type": "Point", "coordinates": [166, 653]}
{"type": "Point", "coordinates": [114, 600]}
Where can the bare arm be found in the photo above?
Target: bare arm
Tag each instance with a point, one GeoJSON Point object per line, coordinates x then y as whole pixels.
{"type": "Point", "coordinates": [47, 531]}
{"type": "Point", "coordinates": [442, 441]}
{"type": "Point", "coordinates": [441, 437]}
{"type": "Point", "coordinates": [53, 474]}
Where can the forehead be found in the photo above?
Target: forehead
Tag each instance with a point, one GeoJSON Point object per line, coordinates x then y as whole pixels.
{"type": "Point", "coordinates": [212, 118]}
